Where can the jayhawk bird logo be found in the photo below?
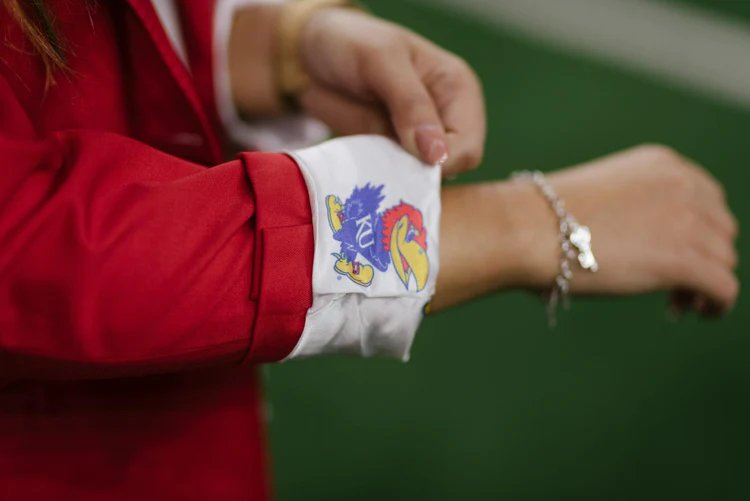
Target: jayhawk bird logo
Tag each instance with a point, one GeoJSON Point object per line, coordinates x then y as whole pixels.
{"type": "Point", "coordinates": [395, 237]}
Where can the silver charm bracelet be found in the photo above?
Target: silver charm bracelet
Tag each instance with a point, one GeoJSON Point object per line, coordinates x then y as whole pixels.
{"type": "Point", "coordinates": [575, 243]}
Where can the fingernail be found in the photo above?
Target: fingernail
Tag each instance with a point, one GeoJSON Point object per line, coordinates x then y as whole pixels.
{"type": "Point", "coordinates": [441, 161]}
{"type": "Point", "coordinates": [431, 144]}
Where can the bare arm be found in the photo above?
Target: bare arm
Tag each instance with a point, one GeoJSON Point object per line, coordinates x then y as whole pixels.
{"type": "Point", "coordinates": [659, 222]}
{"type": "Point", "coordinates": [367, 76]}
{"type": "Point", "coordinates": [486, 231]}
{"type": "Point", "coordinates": [251, 53]}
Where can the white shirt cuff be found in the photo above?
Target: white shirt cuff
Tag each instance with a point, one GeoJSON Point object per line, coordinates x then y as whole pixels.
{"type": "Point", "coordinates": [286, 132]}
{"type": "Point", "coordinates": [376, 218]}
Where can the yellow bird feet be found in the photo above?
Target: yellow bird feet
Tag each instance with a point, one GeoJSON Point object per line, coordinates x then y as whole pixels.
{"type": "Point", "coordinates": [335, 214]}
{"type": "Point", "coordinates": [357, 272]}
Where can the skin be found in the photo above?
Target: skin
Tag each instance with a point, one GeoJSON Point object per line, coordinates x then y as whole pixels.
{"type": "Point", "coordinates": [368, 76]}
{"type": "Point", "coordinates": [659, 222]}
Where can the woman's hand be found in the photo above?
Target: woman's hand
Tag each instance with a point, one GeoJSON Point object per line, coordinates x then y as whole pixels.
{"type": "Point", "coordinates": [658, 222]}
{"type": "Point", "coordinates": [373, 76]}
{"type": "Point", "coordinates": [368, 76]}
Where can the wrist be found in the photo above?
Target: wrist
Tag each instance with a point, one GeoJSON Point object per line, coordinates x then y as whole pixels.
{"type": "Point", "coordinates": [532, 239]}
{"type": "Point", "coordinates": [494, 236]}
{"type": "Point", "coordinates": [251, 58]}
{"type": "Point", "coordinates": [309, 41]}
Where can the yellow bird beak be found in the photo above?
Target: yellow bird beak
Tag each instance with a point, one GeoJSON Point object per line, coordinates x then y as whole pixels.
{"type": "Point", "coordinates": [409, 258]}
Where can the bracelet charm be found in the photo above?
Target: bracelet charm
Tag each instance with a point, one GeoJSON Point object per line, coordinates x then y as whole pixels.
{"type": "Point", "coordinates": [580, 237]}
{"type": "Point", "coordinates": [575, 244]}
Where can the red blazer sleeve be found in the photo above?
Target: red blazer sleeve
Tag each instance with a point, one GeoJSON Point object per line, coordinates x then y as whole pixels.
{"type": "Point", "coordinates": [117, 259]}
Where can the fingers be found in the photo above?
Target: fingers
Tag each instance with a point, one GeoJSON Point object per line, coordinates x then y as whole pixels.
{"type": "Point", "coordinates": [713, 206]}
{"type": "Point", "coordinates": [435, 101]}
{"type": "Point", "coordinates": [714, 252]}
{"type": "Point", "coordinates": [712, 279]}
{"type": "Point", "coordinates": [345, 115]}
{"type": "Point", "coordinates": [711, 200]}
{"type": "Point", "coordinates": [432, 98]}
{"type": "Point", "coordinates": [413, 112]}
{"type": "Point", "coordinates": [682, 301]}
{"type": "Point", "coordinates": [717, 247]}
{"type": "Point", "coordinates": [719, 217]}
{"type": "Point", "coordinates": [711, 256]}
{"type": "Point", "coordinates": [714, 227]}
{"type": "Point", "coordinates": [460, 103]}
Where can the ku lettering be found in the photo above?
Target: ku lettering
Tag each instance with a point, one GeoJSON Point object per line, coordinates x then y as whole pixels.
{"type": "Point", "coordinates": [396, 236]}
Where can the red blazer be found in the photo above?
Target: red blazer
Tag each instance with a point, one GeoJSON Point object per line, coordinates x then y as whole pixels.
{"type": "Point", "coordinates": [141, 275]}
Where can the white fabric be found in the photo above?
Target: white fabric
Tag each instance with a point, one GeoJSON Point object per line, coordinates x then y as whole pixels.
{"type": "Point", "coordinates": [346, 316]}
{"type": "Point", "coordinates": [273, 134]}
{"type": "Point", "coordinates": [167, 12]}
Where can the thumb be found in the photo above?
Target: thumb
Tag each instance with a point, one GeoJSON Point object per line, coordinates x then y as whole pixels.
{"type": "Point", "coordinates": [412, 110]}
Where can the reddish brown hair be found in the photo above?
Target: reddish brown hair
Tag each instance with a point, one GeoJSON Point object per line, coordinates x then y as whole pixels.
{"type": "Point", "coordinates": [38, 25]}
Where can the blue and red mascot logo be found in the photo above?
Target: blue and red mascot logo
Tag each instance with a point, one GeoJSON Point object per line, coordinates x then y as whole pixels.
{"type": "Point", "coordinates": [395, 237]}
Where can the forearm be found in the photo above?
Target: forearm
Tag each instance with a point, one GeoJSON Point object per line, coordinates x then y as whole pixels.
{"type": "Point", "coordinates": [493, 236]}
{"type": "Point", "coordinates": [658, 222]}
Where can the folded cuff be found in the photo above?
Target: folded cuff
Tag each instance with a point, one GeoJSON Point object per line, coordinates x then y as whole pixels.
{"type": "Point", "coordinates": [376, 217]}
{"type": "Point", "coordinates": [284, 252]}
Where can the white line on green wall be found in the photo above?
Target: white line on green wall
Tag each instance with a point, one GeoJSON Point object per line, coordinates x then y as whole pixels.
{"type": "Point", "coordinates": [681, 45]}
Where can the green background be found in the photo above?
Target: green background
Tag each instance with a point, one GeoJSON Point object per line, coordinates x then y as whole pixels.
{"type": "Point", "coordinates": [616, 403]}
